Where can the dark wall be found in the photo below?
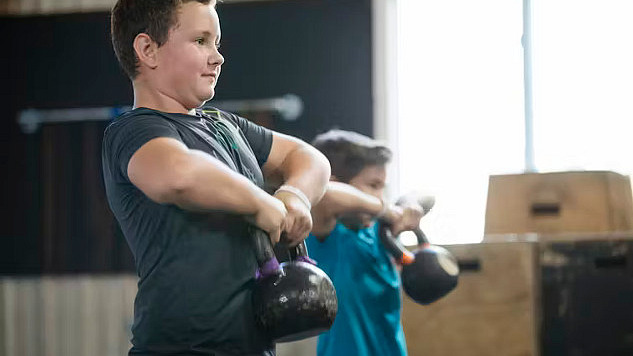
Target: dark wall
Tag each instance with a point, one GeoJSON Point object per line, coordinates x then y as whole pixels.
{"type": "Point", "coordinates": [55, 62]}
{"type": "Point", "coordinates": [319, 50]}
{"type": "Point", "coordinates": [54, 218]}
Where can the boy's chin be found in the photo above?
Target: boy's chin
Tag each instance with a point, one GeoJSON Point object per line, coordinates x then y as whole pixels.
{"type": "Point", "coordinates": [206, 95]}
{"type": "Point", "coordinates": [356, 222]}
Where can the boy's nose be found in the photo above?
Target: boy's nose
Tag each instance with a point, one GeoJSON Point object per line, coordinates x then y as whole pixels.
{"type": "Point", "coordinates": [216, 58]}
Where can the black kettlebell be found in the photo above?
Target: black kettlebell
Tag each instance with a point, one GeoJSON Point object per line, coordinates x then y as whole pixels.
{"type": "Point", "coordinates": [293, 300]}
{"type": "Point", "coordinates": [428, 273]}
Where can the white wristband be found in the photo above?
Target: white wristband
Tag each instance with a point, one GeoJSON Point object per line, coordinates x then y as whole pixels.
{"type": "Point", "coordinates": [297, 192]}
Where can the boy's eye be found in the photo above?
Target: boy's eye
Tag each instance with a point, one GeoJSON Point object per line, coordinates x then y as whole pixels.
{"type": "Point", "coordinates": [202, 41]}
{"type": "Point", "coordinates": [376, 186]}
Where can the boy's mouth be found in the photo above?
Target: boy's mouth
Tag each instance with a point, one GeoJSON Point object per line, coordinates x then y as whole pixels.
{"type": "Point", "coordinates": [212, 78]}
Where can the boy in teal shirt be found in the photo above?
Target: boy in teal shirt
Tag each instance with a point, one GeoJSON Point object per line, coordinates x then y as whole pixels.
{"type": "Point", "coordinates": [346, 245]}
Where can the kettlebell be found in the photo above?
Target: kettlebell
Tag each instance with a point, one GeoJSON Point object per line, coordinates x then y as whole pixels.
{"type": "Point", "coordinates": [293, 300]}
{"type": "Point", "coordinates": [428, 273]}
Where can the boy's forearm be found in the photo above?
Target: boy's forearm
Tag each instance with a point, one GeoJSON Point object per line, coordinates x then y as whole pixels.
{"type": "Point", "coordinates": [308, 170]}
{"type": "Point", "coordinates": [341, 198]}
{"type": "Point", "coordinates": [207, 184]}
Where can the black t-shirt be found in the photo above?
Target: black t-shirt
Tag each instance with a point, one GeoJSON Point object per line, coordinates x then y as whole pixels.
{"type": "Point", "coordinates": [196, 270]}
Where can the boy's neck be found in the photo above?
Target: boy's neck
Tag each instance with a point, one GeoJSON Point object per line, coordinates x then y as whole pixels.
{"type": "Point", "coordinates": [151, 98]}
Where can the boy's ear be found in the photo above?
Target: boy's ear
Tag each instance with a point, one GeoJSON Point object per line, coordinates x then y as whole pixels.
{"type": "Point", "coordinates": [146, 50]}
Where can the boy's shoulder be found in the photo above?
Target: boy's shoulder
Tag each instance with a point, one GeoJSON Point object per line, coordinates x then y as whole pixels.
{"type": "Point", "coordinates": [144, 116]}
{"type": "Point", "coordinates": [137, 119]}
{"type": "Point", "coordinates": [127, 116]}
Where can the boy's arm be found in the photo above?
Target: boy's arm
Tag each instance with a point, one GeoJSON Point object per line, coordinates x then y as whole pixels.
{"type": "Point", "coordinates": [294, 163]}
{"type": "Point", "coordinates": [168, 172]}
{"type": "Point", "coordinates": [341, 198]}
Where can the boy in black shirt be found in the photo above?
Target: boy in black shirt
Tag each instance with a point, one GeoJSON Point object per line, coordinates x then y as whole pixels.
{"type": "Point", "coordinates": [183, 183]}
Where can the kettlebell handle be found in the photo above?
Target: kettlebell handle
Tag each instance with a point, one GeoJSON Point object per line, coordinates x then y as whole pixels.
{"type": "Point", "coordinates": [300, 253]}
{"type": "Point", "coordinates": [426, 203]}
{"type": "Point", "coordinates": [266, 260]}
{"type": "Point", "coordinates": [393, 246]}
{"type": "Point", "coordinates": [299, 250]}
{"type": "Point", "coordinates": [419, 234]}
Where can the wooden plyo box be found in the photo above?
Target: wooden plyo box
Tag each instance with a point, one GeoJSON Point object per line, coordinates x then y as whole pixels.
{"type": "Point", "coordinates": [561, 202]}
{"type": "Point", "coordinates": [586, 294]}
{"type": "Point", "coordinates": [492, 311]}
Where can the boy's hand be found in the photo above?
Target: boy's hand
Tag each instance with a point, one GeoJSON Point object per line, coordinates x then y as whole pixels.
{"type": "Point", "coordinates": [270, 216]}
{"type": "Point", "coordinates": [298, 222]}
{"type": "Point", "coordinates": [403, 218]}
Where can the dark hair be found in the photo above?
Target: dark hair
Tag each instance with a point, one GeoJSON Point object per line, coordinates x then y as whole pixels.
{"type": "Point", "coordinates": [349, 152]}
{"type": "Point", "coordinates": [131, 17]}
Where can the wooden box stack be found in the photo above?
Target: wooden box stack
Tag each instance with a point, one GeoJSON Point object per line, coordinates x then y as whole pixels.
{"type": "Point", "coordinates": [492, 311]}
{"type": "Point", "coordinates": [587, 291]}
{"type": "Point", "coordinates": [560, 202]}
{"type": "Point", "coordinates": [553, 277]}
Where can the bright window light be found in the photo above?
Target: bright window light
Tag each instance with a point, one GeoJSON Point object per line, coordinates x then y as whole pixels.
{"type": "Point", "coordinates": [461, 107]}
{"type": "Point", "coordinates": [583, 85]}
{"type": "Point", "coordinates": [460, 87]}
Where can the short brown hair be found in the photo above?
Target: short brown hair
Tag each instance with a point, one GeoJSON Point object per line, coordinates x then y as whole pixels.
{"type": "Point", "coordinates": [131, 17]}
{"type": "Point", "coordinates": [350, 152]}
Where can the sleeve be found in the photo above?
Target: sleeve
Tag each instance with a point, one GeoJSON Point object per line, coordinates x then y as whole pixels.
{"type": "Point", "coordinates": [122, 139]}
{"type": "Point", "coordinates": [259, 138]}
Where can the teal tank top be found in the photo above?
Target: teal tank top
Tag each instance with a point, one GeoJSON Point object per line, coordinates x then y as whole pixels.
{"type": "Point", "coordinates": [368, 290]}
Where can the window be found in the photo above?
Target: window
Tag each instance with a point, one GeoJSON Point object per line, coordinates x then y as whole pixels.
{"type": "Point", "coordinates": [460, 107]}
{"type": "Point", "coordinates": [583, 85]}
